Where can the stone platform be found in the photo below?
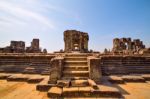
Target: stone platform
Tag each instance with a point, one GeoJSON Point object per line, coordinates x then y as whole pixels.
{"type": "Point", "coordinates": [106, 90]}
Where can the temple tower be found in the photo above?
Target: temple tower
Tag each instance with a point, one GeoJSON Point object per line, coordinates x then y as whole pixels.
{"type": "Point", "coordinates": [76, 41]}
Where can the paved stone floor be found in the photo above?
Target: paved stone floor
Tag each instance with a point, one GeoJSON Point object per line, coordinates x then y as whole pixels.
{"type": "Point", "coordinates": [24, 90]}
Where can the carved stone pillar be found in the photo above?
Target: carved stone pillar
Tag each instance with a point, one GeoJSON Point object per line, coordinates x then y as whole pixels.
{"type": "Point", "coordinates": [94, 68]}
{"type": "Point", "coordinates": [56, 69]}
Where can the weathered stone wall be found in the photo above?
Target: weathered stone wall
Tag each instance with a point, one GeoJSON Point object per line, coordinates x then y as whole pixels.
{"type": "Point", "coordinates": [125, 64]}
{"type": "Point", "coordinates": [35, 47]}
{"type": "Point", "coordinates": [25, 63]}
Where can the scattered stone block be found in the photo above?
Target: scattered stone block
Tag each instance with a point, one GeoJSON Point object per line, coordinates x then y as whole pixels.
{"type": "Point", "coordinates": [17, 78]}
{"type": "Point", "coordinates": [146, 77]}
{"type": "Point", "coordinates": [71, 92]}
{"type": "Point", "coordinates": [92, 83]}
{"type": "Point", "coordinates": [84, 91]}
{"type": "Point", "coordinates": [35, 79]}
{"type": "Point", "coordinates": [44, 86]}
{"type": "Point", "coordinates": [63, 83]}
{"type": "Point", "coordinates": [52, 81]}
{"type": "Point", "coordinates": [54, 92]}
{"type": "Point", "coordinates": [4, 76]}
{"type": "Point", "coordinates": [109, 91]}
{"type": "Point", "coordinates": [115, 79]}
{"type": "Point", "coordinates": [133, 79]}
{"type": "Point", "coordinates": [79, 83]}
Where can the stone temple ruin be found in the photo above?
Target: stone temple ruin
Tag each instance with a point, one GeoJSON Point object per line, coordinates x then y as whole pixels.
{"type": "Point", "coordinates": [76, 41]}
{"type": "Point", "coordinates": [77, 72]}
{"type": "Point", "coordinates": [126, 44]}
{"type": "Point", "coordinates": [19, 47]}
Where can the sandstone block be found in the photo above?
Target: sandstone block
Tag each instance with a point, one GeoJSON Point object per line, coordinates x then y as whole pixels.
{"type": "Point", "coordinates": [71, 92]}
{"type": "Point", "coordinates": [63, 83]}
{"type": "Point", "coordinates": [115, 79]}
{"type": "Point", "coordinates": [79, 83]}
{"type": "Point", "coordinates": [54, 92]}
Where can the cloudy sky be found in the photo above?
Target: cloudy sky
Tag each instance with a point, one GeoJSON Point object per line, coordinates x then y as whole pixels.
{"type": "Point", "coordinates": [47, 19]}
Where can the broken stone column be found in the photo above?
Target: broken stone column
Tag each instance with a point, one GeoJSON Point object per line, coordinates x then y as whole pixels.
{"type": "Point", "coordinates": [56, 69]}
{"type": "Point", "coordinates": [94, 68]}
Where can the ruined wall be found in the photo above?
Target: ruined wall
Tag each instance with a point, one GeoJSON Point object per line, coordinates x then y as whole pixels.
{"type": "Point", "coordinates": [35, 47]}
{"type": "Point", "coordinates": [120, 45]}
{"type": "Point", "coordinates": [76, 41]}
{"type": "Point", "coordinates": [19, 47]}
{"type": "Point", "coordinates": [125, 64]}
{"type": "Point", "coordinates": [25, 63]}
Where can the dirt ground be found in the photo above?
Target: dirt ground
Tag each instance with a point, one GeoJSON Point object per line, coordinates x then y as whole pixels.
{"type": "Point", "coordinates": [23, 90]}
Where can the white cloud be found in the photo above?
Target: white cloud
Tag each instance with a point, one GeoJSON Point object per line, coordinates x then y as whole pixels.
{"type": "Point", "coordinates": [24, 14]}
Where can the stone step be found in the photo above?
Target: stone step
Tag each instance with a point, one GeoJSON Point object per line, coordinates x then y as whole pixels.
{"type": "Point", "coordinates": [76, 55]}
{"type": "Point", "coordinates": [44, 86]}
{"type": "Point", "coordinates": [76, 63]}
{"type": "Point", "coordinates": [75, 58]}
{"type": "Point", "coordinates": [35, 79]}
{"type": "Point", "coordinates": [17, 77]}
{"type": "Point", "coordinates": [102, 92]}
{"type": "Point", "coordinates": [79, 61]}
{"type": "Point", "coordinates": [106, 91]}
{"type": "Point", "coordinates": [76, 73]}
{"type": "Point", "coordinates": [133, 79]}
{"type": "Point", "coordinates": [55, 92]}
{"type": "Point", "coordinates": [76, 68]}
{"type": "Point", "coordinates": [74, 78]}
{"type": "Point", "coordinates": [71, 92]}
{"type": "Point", "coordinates": [63, 83]}
{"type": "Point", "coordinates": [115, 79]}
{"type": "Point", "coordinates": [79, 83]}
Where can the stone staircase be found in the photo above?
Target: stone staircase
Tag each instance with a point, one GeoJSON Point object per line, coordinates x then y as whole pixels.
{"type": "Point", "coordinates": [75, 67]}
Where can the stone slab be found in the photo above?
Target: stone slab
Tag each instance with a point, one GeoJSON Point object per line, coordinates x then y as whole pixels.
{"type": "Point", "coordinates": [71, 92]}
{"type": "Point", "coordinates": [116, 79]}
{"type": "Point", "coordinates": [79, 83]}
{"type": "Point", "coordinates": [35, 79]}
{"type": "Point", "coordinates": [106, 91]}
{"type": "Point", "coordinates": [18, 77]}
{"type": "Point", "coordinates": [92, 83]}
{"type": "Point", "coordinates": [4, 76]}
{"type": "Point", "coordinates": [63, 83]}
{"type": "Point", "coordinates": [84, 91]}
{"type": "Point", "coordinates": [54, 92]}
{"type": "Point", "coordinates": [44, 86]}
{"type": "Point", "coordinates": [133, 79]}
{"type": "Point", "coordinates": [146, 77]}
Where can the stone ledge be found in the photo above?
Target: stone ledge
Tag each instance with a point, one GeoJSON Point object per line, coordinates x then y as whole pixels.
{"type": "Point", "coordinates": [18, 77]}
{"type": "Point", "coordinates": [4, 76]}
{"type": "Point", "coordinates": [54, 92]}
{"type": "Point", "coordinates": [115, 79]}
{"type": "Point", "coordinates": [133, 79]}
